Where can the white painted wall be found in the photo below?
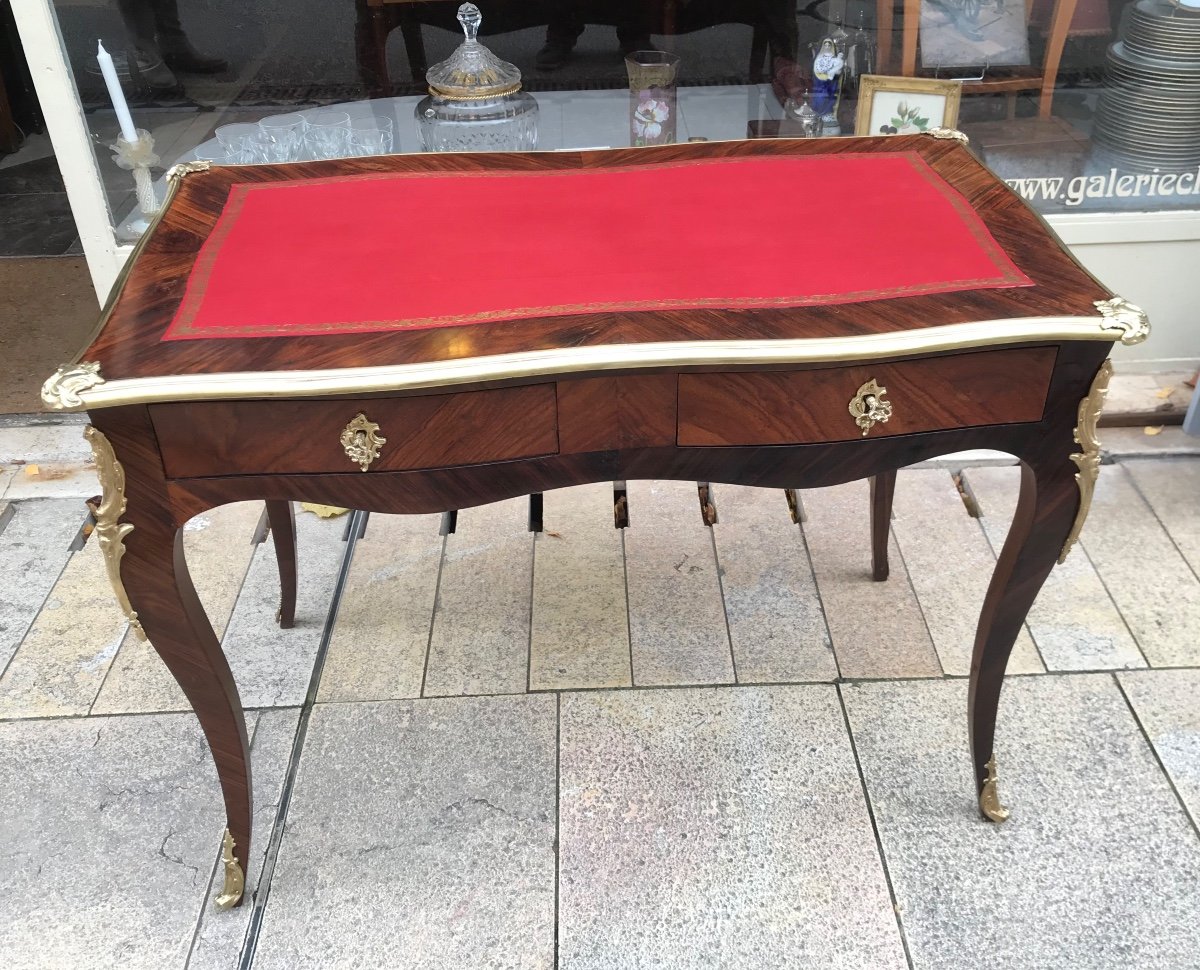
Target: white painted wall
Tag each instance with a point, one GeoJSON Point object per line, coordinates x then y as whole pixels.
{"type": "Point", "coordinates": [55, 86]}
{"type": "Point", "coordinates": [1152, 259]}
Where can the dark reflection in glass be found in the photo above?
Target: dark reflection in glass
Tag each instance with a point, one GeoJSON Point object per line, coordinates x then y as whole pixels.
{"type": "Point", "coordinates": [1109, 117]}
{"type": "Point", "coordinates": [566, 24]}
{"type": "Point", "coordinates": [635, 25]}
{"type": "Point", "coordinates": [161, 47]}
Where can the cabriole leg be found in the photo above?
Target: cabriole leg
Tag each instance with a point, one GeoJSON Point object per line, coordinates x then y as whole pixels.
{"type": "Point", "coordinates": [161, 591]}
{"type": "Point", "coordinates": [283, 533]}
{"type": "Point", "coordinates": [883, 489]}
{"type": "Point", "coordinates": [143, 552]}
{"type": "Point", "coordinates": [1046, 508]}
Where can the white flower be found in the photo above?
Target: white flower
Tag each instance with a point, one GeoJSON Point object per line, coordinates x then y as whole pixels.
{"type": "Point", "coordinates": [648, 119]}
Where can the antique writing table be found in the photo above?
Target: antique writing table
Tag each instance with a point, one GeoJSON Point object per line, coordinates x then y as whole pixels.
{"type": "Point", "coordinates": [427, 333]}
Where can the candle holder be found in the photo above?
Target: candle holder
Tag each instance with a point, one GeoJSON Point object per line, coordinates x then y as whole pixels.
{"type": "Point", "coordinates": [139, 157]}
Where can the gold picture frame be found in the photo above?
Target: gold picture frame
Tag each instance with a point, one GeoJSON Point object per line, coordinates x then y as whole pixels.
{"type": "Point", "coordinates": [927, 92]}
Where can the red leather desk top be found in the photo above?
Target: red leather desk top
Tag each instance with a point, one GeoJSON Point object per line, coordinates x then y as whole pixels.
{"type": "Point", "coordinates": [416, 250]}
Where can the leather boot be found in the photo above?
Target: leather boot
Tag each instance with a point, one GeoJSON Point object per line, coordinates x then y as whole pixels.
{"type": "Point", "coordinates": [554, 54]}
{"type": "Point", "coordinates": [176, 49]}
{"type": "Point", "coordinates": [182, 56]}
{"type": "Point", "coordinates": [154, 74]}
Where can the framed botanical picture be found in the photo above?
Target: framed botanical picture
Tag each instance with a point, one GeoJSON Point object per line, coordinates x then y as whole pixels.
{"type": "Point", "coordinates": [905, 105]}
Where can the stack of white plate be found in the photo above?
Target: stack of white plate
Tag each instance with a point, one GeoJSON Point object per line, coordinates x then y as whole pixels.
{"type": "Point", "coordinates": [1149, 113]}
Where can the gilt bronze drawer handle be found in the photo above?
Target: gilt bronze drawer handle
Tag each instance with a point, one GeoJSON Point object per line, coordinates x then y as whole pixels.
{"type": "Point", "coordinates": [361, 441]}
{"type": "Point", "coordinates": [868, 406]}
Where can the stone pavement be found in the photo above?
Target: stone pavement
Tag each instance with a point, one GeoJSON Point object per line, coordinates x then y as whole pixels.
{"type": "Point", "coordinates": [670, 746]}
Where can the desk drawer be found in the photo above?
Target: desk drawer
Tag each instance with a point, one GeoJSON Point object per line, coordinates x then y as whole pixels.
{"type": "Point", "coordinates": [433, 431]}
{"type": "Point", "coordinates": [809, 406]}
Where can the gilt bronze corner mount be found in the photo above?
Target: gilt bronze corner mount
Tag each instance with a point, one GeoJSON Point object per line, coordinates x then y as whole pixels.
{"type": "Point", "coordinates": [62, 389]}
{"type": "Point", "coordinates": [1088, 458]}
{"type": "Point", "coordinates": [110, 532]}
{"type": "Point", "coordinates": [181, 169]}
{"type": "Point", "coordinates": [949, 134]}
{"type": "Point", "coordinates": [1130, 318]}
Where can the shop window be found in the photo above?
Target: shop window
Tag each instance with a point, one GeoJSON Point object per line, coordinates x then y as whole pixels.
{"type": "Point", "coordinates": [1080, 105]}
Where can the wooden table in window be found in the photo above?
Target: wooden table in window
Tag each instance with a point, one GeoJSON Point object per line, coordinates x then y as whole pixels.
{"type": "Point", "coordinates": [415, 334]}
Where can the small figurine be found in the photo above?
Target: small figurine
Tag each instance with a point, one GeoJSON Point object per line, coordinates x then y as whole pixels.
{"type": "Point", "coordinates": [827, 85]}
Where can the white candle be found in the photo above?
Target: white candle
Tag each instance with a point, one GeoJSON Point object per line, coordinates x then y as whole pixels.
{"type": "Point", "coordinates": [109, 70]}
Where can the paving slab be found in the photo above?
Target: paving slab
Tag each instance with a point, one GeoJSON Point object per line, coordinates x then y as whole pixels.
{"type": "Point", "coordinates": [272, 667]}
{"type": "Point", "coordinates": [580, 632]}
{"type": "Point", "coordinates": [970, 458]}
{"type": "Point", "coordinates": [677, 625]}
{"type": "Point", "coordinates": [775, 621]}
{"type": "Point", "coordinates": [1096, 869]}
{"type": "Point", "coordinates": [877, 628]}
{"type": "Point", "coordinates": [58, 669]}
{"type": "Point", "coordinates": [6, 476]}
{"type": "Point", "coordinates": [480, 639]}
{"type": "Point", "coordinates": [34, 549]}
{"type": "Point", "coordinates": [1172, 489]}
{"type": "Point", "coordinates": [68, 479]}
{"type": "Point", "coordinates": [1155, 397]}
{"type": "Point", "coordinates": [218, 547]}
{"type": "Point", "coordinates": [60, 443]}
{"type": "Point", "coordinates": [421, 834]}
{"type": "Point", "coordinates": [112, 826]}
{"type": "Point", "coordinates": [951, 564]}
{"type": "Point", "coordinates": [1074, 621]}
{"type": "Point", "coordinates": [1131, 393]}
{"type": "Point", "coordinates": [1122, 443]}
{"type": "Point", "coordinates": [1156, 592]}
{"type": "Point", "coordinates": [1165, 703]}
{"type": "Point", "coordinates": [382, 633]}
{"type": "Point", "coordinates": [220, 935]}
{"type": "Point", "coordinates": [717, 827]}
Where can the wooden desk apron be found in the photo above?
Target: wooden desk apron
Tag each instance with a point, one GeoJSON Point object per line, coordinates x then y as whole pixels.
{"type": "Point", "coordinates": [430, 332]}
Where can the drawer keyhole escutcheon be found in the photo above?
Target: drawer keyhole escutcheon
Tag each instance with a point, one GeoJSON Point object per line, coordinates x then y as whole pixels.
{"type": "Point", "coordinates": [362, 441]}
{"type": "Point", "coordinates": [869, 406]}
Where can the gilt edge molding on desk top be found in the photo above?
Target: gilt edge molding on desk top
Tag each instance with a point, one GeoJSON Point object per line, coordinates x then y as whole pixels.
{"type": "Point", "coordinates": [76, 386]}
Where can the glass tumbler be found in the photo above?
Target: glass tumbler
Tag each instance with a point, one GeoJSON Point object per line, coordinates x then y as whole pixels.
{"type": "Point", "coordinates": [652, 97]}
{"type": "Point", "coordinates": [282, 136]}
{"type": "Point", "coordinates": [216, 154]}
{"type": "Point", "coordinates": [327, 134]}
{"type": "Point", "coordinates": [371, 136]}
{"type": "Point", "coordinates": [244, 140]}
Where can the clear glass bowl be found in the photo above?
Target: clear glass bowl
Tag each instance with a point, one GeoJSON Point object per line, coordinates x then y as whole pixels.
{"type": "Point", "coordinates": [504, 124]}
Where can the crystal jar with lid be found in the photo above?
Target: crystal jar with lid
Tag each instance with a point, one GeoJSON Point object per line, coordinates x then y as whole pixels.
{"type": "Point", "coordinates": [475, 101]}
